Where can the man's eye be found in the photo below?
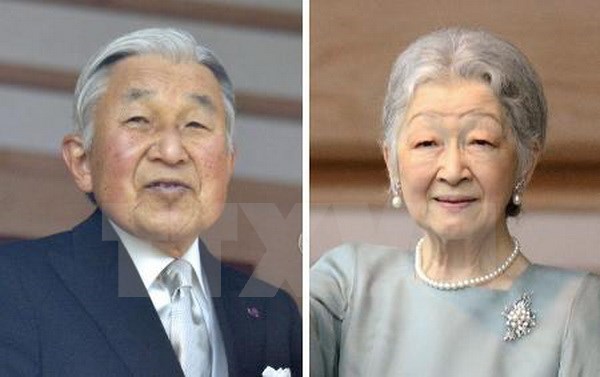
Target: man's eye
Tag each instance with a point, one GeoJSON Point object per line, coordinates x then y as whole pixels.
{"type": "Point", "coordinates": [195, 124]}
{"type": "Point", "coordinates": [137, 119]}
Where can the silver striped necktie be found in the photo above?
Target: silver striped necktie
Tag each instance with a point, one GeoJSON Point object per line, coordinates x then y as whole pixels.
{"type": "Point", "coordinates": [188, 331]}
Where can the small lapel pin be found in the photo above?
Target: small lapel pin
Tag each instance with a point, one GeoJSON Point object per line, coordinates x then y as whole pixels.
{"type": "Point", "coordinates": [253, 312]}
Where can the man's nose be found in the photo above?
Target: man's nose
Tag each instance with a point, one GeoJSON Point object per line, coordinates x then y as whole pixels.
{"type": "Point", "coordinates": [169, 147]}
{"type": "Point", "coordinates": [453, 167]}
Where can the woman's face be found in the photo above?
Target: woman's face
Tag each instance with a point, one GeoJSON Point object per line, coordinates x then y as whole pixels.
{"type": "Point", "coordinates": [457, 159]}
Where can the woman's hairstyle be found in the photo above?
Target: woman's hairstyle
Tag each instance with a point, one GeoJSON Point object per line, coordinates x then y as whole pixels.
{"type": "Point", "coordinates": [172, 44]}
{"type": "Point", "coordinates": [473, 55]}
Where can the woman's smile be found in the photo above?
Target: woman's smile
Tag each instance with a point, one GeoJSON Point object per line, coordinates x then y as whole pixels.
{"type": "Point", "coordinates": [455, 203]}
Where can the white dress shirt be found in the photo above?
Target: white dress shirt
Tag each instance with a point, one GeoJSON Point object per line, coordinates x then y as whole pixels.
{"type": "Point", "coordinates": [150, 262]}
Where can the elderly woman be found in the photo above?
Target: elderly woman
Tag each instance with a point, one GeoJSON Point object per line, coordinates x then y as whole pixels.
{"type": "Point", "coordinates": [464, 124]}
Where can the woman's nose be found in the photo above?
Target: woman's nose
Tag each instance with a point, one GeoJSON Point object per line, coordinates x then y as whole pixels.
{"type": "Point", "coordinates": [453, 168]}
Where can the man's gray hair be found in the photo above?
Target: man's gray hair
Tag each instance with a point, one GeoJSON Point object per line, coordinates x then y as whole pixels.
{"type": "Point", "coordinates": [173, 44]}
{"type": "Point", "coordinates": [473, 55]}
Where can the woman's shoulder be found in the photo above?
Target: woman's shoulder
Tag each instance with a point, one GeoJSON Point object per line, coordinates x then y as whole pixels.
{"type": "Point", "coordinates": [572, 285]}
{"type": "Point", "coordinates": [575, 296]}
{"type": "Point", "coordinates": [342, 273]}
{"type": "Point", "coordinates": [358, 257]}
{"type": "Point", "coordinates": [545, 274]}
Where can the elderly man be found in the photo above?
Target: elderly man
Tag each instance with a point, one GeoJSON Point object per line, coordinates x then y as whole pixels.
{"type": "Point", "coordinates": [132, 291]}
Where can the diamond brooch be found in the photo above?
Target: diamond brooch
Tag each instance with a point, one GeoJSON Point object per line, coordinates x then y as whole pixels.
{"type": "Point", "coordinates": [520, 318]}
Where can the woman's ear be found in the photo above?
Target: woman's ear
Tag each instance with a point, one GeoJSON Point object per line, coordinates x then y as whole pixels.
{"type": "Point", "coordinates": [388, 158]}
{"type": "Point", "coordinates": [536, 152]}
{"type": "Point", "coordinates": [77, 160]}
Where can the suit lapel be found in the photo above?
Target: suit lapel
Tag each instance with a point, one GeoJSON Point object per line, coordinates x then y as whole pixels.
{"type": "Point", "coordinates": [100, 274]}
{"type": "Point", "coordinates": [220, 291]}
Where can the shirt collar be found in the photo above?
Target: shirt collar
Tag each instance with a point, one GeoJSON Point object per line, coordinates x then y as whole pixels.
{"type": "Point", "coordinates": [149, 260]}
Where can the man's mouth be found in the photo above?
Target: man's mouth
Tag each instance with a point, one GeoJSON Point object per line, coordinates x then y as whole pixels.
{"type": "Point", "coordinates": [167, 185]}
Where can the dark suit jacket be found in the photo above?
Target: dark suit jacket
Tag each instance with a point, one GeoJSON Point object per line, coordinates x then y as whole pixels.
{"type": "Point", "coordinates": [72, 304]}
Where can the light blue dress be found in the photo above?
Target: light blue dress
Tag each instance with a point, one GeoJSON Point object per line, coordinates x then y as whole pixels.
{"type": "Point", "coordinates": [370, 316]}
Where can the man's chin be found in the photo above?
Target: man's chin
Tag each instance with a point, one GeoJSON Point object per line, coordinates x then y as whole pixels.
{"type": "Point", "coordinates": [165, 227]}
{"type": "Point", "coordinates": [168, 197]}
{"type": "Point", "coordinates": [174, 242]}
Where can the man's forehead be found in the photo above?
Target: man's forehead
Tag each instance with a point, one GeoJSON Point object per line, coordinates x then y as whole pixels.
{"type": "Point", "coordinates": [142, 70]}
{"type": "Point", "coordinates": [135, 94]}
{"type": "Point", "coordinates": [142, 77]}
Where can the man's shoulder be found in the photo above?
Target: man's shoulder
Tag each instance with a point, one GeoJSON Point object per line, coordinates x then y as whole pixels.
{"type": "Point", "coordinates": [265, 322]}
{"type": "Point", "coordinates": [255, 308]}
{"type": "Point", "coordinates": [249, 286]}
{"type": "Point", "coordinates": [34, 248]}
{"type": "Point", "coordinates": [57, 242]}
{"type": "Point", "coordinates": [25, 265]}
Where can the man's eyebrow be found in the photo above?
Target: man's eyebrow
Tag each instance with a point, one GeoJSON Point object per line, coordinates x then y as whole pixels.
{"type": "Point", "coordinates": [204, 101]}
{"type": "Point", "coordinates": [136, 93]}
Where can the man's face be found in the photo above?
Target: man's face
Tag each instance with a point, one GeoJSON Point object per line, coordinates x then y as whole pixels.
{"type": "Point", "coordinates": [159, 164]}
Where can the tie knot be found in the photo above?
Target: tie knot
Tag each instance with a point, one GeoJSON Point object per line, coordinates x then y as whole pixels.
{"type": "Point", "coordinates": [178, 274]}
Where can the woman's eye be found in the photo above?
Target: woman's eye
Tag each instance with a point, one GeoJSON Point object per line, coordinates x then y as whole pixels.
{"type": "Point", "coordinates": [482, 142]}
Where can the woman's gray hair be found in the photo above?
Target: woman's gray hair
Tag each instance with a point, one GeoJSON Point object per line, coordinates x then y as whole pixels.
{"type": "Point", "coordinates": [473, 55]}
{"type": "Point", "coordinates": [173, 44]}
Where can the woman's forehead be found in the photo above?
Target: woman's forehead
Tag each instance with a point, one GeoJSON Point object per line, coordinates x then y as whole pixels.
{"type": "Point", "coordinates": [453, 97]}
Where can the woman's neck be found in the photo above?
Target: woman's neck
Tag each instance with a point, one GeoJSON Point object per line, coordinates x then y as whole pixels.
{"type": "Point", "coordinates": [459, 259]}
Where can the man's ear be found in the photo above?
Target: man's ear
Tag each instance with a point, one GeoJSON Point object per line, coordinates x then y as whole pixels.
{"type": "Point", "coordinates": [77, 160]}
{"type": "Point", "coordinates": [232, 157]}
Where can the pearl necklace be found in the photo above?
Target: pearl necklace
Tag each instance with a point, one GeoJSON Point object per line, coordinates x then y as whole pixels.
{"type": "Point", "coordinates": [454, 285]}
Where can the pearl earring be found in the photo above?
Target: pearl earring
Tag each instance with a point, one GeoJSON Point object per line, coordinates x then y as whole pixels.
{"type": "Point", "coordinates": [396, 199]}
{"type": "Point", "coordinates": [517, 199]}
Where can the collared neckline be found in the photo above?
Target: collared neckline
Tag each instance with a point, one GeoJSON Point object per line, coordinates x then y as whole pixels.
{"type": "Point", "coordinates": [150, 261]}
